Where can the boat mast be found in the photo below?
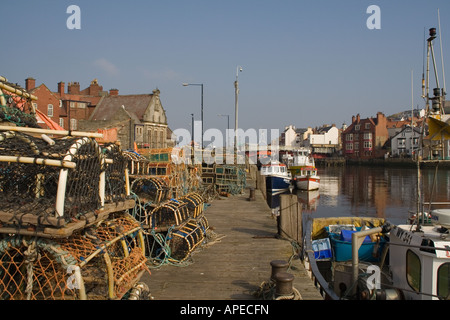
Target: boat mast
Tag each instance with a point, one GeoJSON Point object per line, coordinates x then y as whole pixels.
{"type": "Point", "coordinates": [436, 110]}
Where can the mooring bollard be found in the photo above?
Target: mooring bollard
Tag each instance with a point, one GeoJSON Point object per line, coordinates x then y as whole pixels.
{"type": "Point", "coordinates": [252, 194]}
{"type": "Point", "coordinates": [284, 283]}
{"type": "Point", "coordinates": [277, 267]}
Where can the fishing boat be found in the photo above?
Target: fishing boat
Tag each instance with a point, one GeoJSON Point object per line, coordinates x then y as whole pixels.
{"type": "Point", "coordinates": [278, 178]}
{"type": "Point", "coordinates": [307, 179]}
{"type": "Point", "coordinates": [381, 261]}
{"type": "Point", "coordinates": [303, 170]}
{"type": "Point", "coordinates": [369, 259]}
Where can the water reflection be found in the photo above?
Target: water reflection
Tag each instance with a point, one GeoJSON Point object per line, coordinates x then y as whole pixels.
{"type": "Point", "coordinates": [389, 193]}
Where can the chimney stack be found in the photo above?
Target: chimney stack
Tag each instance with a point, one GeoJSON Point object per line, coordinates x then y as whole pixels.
{"type": "Point", "coordinates": [30, 83]}
{"type": "Point", "coordinates": [61, 88]}
{"type": "Point", "coordinates": [73, 88]}
{"type": "Point", "coordinates": [113, 92]}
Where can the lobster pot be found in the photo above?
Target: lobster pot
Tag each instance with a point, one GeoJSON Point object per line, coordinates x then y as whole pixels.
{"type": "Point", "coordinates": [47, 184]}
{"type": "Point", "coordinates": [115, 172]}
{"type": "Point", "coordinates": [167, 214]}
{"type": "Point", "coordinates": [186, 239]}
{"type": "Point", "coordinates": [152, 190]}
{"type": "Point", "coordinates": [104, 263]}
{"type": "Point", "coordinates": [137, 164]}
{"type": "Point", "coordinates": [195, 204]}
{"type": "Point", "coordinates": [230, 178]}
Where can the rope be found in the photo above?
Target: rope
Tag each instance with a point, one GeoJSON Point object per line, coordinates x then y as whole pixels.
{"type": "Point", "coordinates": [30, 255]}
{"type": "Point", "coordinates": [267, 291]}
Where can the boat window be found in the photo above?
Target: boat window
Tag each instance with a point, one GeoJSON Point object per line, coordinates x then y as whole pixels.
{"type": "Point", "coordinates": [413, 270]}
{"type": "Point", "coordinates": [443, 281]}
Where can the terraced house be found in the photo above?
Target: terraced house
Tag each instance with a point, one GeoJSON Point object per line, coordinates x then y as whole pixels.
{"type": "Point", "coordinates": [365, 138]}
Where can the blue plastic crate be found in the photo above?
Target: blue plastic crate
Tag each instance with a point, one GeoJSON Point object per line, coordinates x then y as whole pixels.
{"type": "Point", "coordinates": [322, 249]}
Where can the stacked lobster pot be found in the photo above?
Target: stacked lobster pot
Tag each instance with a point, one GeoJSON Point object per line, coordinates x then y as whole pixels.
{"type": "Point", "coordinates": [171, 213]}
{"type": "Point", "coordinates": [173, 228]}
{"type": "Point", "coordinates": [65, 230]}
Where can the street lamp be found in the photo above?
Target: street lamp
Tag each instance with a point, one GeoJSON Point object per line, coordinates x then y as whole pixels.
{"type": "Point", "coordinates": [198, 84]}
{"type": "Point", "coordinates": [192, 130]}
{"type": "Point", "coordinates": [228, 121]}
{"type": "Point", "coordinates": [236, 86]}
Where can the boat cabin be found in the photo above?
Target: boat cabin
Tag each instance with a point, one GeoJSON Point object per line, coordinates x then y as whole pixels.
{"type": "Point", "coordinates": [274, 169]}
{"type": "Point", "coordinates": [308, 171]}
{"type": "Point", "coordinates": [421, 272]}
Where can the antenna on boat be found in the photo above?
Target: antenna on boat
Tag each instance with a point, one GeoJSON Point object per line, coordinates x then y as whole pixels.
{"type": "Point", "coordinates": [412, 99]}
{"type": "Point", "coordinates": [442, 60]}
{"type": "Point", "coordinates": [423, 63]}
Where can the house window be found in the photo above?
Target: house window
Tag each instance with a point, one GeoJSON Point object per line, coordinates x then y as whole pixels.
{"type": "Point", "coordinates": [368, 136]}
{"type": "Point", "coordinates": [73, 124]}
{"type": "Point", "coordinates": [356, 145]}
{"type": "Point", "coordinates": [72, 104]}
{"type": "Point", "coordinates": [50, 110]}
{"type": "Point", "coordinates": [401, 142]}
{"type": "Point", "coordinates": [357, 127]}
{"type": "Point", "coordinates": [350, 137]}
{"type": "Point", "coordinates": [413, 270]}
{"type": "Point", "coordinates": [349, 146]}
{"type": "Point", "coordinates": [415, 141]}
{"type": "Point", "coordinates": [367, 144]}
{"type": "Point", "coordinates": [367, 126]}
{"type": "Point", "coordinates": [61, 122]}
{"type": "Point", "coordinates": [443, 280]}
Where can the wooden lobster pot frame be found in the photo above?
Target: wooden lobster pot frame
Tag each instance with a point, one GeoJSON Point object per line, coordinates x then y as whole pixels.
{"type": "Point", "coordinates": [150, 190]}
{"type": "Point", "coordinates": [53, 187]}
{"type": "Point", "coordinates": [195, 204]}
{"type": "Point", "coordinates": [116, 171]}
{"type": "Point", "coordinates": [103, 263]}
{"type": "Point", "coordinates": [185, 239]}
{"type": "Point", "coordinates": [137, 164]}
{"type": "Point", "coordinates": [167, 214]}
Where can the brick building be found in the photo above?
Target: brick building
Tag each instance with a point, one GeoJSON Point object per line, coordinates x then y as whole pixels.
{"type": "Point", "coordinates": [66, 108]}
{"type": "Point", "coordinates": [365, 138]}
{"type": "Point", "coordinates": [138, 118]}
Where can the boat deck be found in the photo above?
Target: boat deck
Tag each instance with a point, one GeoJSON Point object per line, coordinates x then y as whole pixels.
{"type": "Point", "coordinates": [238, 262]}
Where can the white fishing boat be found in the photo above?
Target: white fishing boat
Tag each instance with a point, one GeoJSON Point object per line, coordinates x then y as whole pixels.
{"type": "Point", "coordinates": [307, 179]}
{"type": "Point", "coordinates": [278, 178]}
{"type": "Point", "coordinates": [303, 170]}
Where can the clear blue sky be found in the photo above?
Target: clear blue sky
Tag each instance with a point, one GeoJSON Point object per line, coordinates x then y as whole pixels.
{"type": "Point", "coordinates": [305, 63]}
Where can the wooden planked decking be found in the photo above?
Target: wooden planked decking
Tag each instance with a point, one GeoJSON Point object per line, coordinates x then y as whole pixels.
{"type": "Point", "coordinates": [237, 263]}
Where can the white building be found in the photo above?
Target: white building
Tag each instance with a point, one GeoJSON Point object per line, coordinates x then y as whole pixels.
{"type": "Point", "coordinates": [295, 137]}
{"type": "Point", "coordinates": [405, 142]}
{"type": "Point", "coordinates": [325, 141]}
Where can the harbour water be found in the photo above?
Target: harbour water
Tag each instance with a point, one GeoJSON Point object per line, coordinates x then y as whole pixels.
{"type": "Point", "coordinates": [366, 191]}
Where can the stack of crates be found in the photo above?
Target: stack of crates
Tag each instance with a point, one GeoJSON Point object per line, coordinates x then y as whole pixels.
{"type": "Point", "coordinates": [230, 178]}
{"type": "Point", "coordinates": [208, 176]}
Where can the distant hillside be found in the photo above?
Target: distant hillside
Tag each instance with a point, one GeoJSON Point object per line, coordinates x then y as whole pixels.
{"type": "Point", "coordinates": [405, 114]}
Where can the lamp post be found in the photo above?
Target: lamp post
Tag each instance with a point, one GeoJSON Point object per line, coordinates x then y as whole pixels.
{"type": "Point", "coordinates": [192, 128]}
{"type": "Point", "coordinates": [201, 85]}
{"type": "Point", "coordinates": [236, 91]}
{"type": "Point", "coordinates": [192, 139]}
{"type": "Point", "coordinates": [228, 121]}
